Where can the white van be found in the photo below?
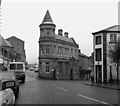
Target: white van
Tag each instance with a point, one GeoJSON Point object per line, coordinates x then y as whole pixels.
{"type": "Point", "coordinates": [19, 69]}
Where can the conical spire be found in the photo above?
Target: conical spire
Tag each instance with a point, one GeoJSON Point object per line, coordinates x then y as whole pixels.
{"type": "Point", "coordinates": [47, 18]}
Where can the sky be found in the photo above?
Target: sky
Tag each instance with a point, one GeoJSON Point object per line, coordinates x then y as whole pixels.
{"type": "Point", "coordinates": [80, 18]}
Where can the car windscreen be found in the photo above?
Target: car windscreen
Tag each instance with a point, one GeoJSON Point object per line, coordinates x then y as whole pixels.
{"type": "Point", "coordinates": [19, 66]}
{"type": "Point", "coordinates": [12, 66]}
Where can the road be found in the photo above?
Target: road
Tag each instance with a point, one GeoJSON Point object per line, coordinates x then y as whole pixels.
{"type": "Point", "coordinates": [44, 91]}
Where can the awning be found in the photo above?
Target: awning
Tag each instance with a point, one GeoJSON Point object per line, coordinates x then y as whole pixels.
{"type": "Point", "coordinates": [4, 42]}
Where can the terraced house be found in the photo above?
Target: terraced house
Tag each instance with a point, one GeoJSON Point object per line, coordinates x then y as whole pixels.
{"type": "Point", "coordinates": [58, 54]}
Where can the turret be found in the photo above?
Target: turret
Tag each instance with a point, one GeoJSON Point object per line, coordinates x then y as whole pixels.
{"type": "Point", "coordinates": [47, 27]}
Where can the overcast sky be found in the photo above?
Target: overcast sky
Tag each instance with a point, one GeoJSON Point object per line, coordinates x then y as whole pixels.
{"type": "Point", "coordinates": [21, 18]}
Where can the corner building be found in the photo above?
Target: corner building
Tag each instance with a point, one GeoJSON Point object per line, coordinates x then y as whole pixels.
{"type": "Point", "coordinates": [58, 54]}
{"type": "Point", "coordinates": [103, 41]}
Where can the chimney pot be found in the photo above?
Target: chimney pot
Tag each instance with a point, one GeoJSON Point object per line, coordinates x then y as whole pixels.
{"type": "Point", "coordinates": [66, 34]}
{"type": "Point", "coordinates": [60, 32]}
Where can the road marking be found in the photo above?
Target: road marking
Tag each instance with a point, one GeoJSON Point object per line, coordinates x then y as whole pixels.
{"type": "Point", "coordinates": [62, 89]}
{"type": "Point", "coordinates": [94, 100]}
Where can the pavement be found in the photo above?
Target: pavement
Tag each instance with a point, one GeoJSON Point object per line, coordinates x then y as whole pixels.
{"type": "Point", "coordinates": [103, 85]}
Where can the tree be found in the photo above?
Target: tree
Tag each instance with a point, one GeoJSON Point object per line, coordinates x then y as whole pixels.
{"type": "Point", "coordinates": [114, 54]}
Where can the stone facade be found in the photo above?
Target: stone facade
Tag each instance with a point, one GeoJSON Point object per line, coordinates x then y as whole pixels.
{"type": "Point", "coordinates": [85, 66]}
{"type": "Point", "coordinates": [58, 54]}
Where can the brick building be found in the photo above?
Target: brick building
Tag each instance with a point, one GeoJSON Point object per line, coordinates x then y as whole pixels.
{"type": "Point", "coordinates": [5, 55]}
{"type": "Point", "coordinates": [58, 54]}
{"type": "Point", "coordinates": [18, 50]}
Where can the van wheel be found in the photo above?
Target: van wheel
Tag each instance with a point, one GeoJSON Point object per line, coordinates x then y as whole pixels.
{"type": "Point", "coordinates": [23, 80]}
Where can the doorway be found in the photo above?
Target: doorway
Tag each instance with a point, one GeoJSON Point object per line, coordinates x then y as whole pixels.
{"type": "Point", "coordinates": [98, 73]}
{"type": "Point", "coordinates": [71, 74]}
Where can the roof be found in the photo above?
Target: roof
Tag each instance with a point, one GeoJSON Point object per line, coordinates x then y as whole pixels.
{"type": "Point", "coordinates": [4, 43]}
{"type": "Point", "coordinates": [14, 37]}
{"type": "Point", "coordinates": [47, 18]}
{"type": "Point", "coordinates": [63, 38]}
{"type": "Point", "coordinates": [83, 55]}
{"type": "Point", "coordinates": [115, 28]}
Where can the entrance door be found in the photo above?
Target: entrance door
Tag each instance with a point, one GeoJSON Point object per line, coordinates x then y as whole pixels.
{"type": "Point", "coordinates": [98, 73]}
{"type": "Point", "coordinates": [71, 74]}
{"type": "Point", "coordinates": [54, 74]}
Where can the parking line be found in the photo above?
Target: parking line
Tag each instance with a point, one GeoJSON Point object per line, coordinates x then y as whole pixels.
{"type": "Point", "coordinates": [62, 89]}
{"type": "Point", "coordinates": [94, 100]}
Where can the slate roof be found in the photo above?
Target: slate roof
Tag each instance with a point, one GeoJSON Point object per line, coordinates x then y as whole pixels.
{"type": "Point", "coordinates": [4, 43]}
{"type": "Point", "coordinates": [115, 28]}
{"type": "Point", "coordinates": [63, 38]}
{"type": "Point", "coordinates": [83, 55]}
{"type": "Point", "coordinates": [47, 18]}
{"type": "Point", "coordinates": [15, 38]}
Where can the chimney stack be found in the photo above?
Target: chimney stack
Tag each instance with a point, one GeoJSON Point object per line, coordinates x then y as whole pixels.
{"type": "Point", "coordinates": [66, 34]}
{"type": "Point", "coordinates": [79, 51]}
{"type": "Point", "coordinates": [60, 32]}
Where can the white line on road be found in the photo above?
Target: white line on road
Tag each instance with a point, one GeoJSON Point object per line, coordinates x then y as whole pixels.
{"type": "Point", "coordinates": [62, 89]}
{"type": "Point", "coordinates": [94, 100]}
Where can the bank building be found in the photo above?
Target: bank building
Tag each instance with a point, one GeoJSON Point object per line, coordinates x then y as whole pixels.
{"type": "Point", "coordinates": [58, 53]}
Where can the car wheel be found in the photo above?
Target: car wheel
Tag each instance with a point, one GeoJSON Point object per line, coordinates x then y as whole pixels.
{"type": "Point", "coordinates": [18, 89]}
{"type": "Point", "coordinates": [16, 95]}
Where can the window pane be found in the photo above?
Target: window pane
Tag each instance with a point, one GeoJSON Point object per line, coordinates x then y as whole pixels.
{"type": "Point", "coordinates": [19, 66]}
{"type": "Point", "coordinates": [98, 54]}
{"type": "Point", "coordinates": [113, 37]}
{"type": "Point", "coordinates": [12, 66]}
{"type": "Point", "coordinates": [98, 40]}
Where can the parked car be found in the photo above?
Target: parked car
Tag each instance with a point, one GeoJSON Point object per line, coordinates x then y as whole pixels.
{"type": "Point", "coordinates": [6, 97]}
{"type": "Point", "coordinates": [31, 69]}
{"type": "Point", "coordinates": [36, 69]}
{"type": "Point", "coordinates": [19, 69]}
{"type": "Point", "coordinates": [9, 80]}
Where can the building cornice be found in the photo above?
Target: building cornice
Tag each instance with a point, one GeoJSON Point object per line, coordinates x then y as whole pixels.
{"type": "Point", "coordinates": [51, 39]}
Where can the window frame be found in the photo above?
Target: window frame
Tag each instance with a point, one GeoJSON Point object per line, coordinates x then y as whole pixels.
{"type": "Point", "coordinates": [100, 53]}
{"type": "Point", "coordinates": [113, 37]}
{"type": "Point", "coordinates": [47, 67]}
{"type": "Point", "coordinates": [98, 40]}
